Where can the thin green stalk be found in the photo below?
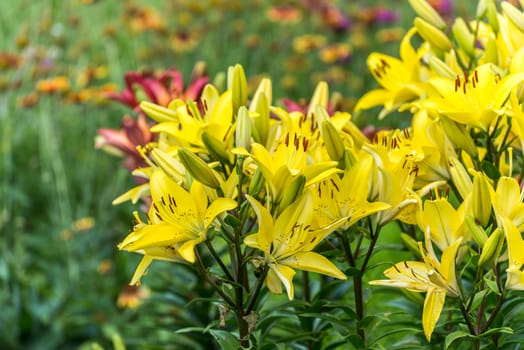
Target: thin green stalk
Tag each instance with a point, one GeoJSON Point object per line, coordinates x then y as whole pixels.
{"type": "Point", "coordinates": [207, 276]}
{"type": "Point", "coordinates": [219, 260]}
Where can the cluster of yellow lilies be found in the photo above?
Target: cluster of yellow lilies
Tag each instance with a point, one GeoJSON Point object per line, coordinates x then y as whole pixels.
{"type": "Point", "coordinates": [275, 185]}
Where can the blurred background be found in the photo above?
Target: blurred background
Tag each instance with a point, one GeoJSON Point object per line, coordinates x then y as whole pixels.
{"type": "Point", "coordinates": [63, 284]}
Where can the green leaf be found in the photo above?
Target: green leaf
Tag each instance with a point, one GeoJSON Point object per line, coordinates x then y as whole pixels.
{"type": "Point", "coordinates": [506, 330]}
{"type": "Point", "coordinates": [492, 285]}
{"type": "Point", "coordinates": [225, 339]}
{"type": "Point", "coordinates": [454, 336]}
{"type": "Point", "coordinates": [490, 169]}
{"type": "Point", "coordinates": [477, 299]}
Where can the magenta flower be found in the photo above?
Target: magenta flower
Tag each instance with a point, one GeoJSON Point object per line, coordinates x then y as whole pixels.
{"type": "Point", "coordinates": [160, 88]}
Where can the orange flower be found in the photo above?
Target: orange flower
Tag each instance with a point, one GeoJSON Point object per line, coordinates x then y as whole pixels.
{"type": "Point", "coordinates": [53, 85]}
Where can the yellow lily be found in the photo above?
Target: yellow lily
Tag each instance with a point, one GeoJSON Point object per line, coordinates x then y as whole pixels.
{"type": "Point", "coordinates": [287, 162]}
{"type": "Point", "coordinates": [507, 202]}
{"type": "Point", "coordinates": [346, 196]}
{"type": "Point", "coordinates": [178, 221]}
{"type": "Point", "coordinates": [515, 279]}
{"type": "Point", "coordinates": [400, 79]}
{"type": "Point", "coordinates": [476, 98]}
{"type": "Point", "coordinates": [287, 242]}
{"type": "Point", "coordinates": [445, 223]}
{"type": "Point", "coordinates": [437, 279]}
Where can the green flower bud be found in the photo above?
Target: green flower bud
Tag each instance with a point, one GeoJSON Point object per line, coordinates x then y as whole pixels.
{"type": "Point", "coordinates": [514, 15]}
{"type": "Point", "coordinates": [464, 37]}
{"type": "Point", "coordinates": [477, 232]}
{"type": "Point", "coordinates": [428, 13]}
{"type": "Point", "coordinates": [260, 122]}
{"type": "Point", "coordinates": [460, 177]}
{"type": "Point", "coordinates": [216, 148]}
{"type": "Point", "coordinates": [441, 68]}
{"type": "Point", "coordinates": [237, 83]}
{"type": "Point", "coordinates": [198, 169]}
{"type": "Point", "coordinates": [243, 129]}
{"type": "Point", "coordinates": [481, 200]}
{"type": "Point", "coordinates": [320, 98]}
{"type": "Point", "coordinates": [334, 144]}
{"type": "Point", "coordinates": [492, 247]}
{"type": "Point", "coordinates": [169, 164]}
{"type": "Point", "coordinates": [293, 192]}
{"type": "Point", "coordinates": [460, 136]}
{"type": "Point", "coordinates": [158, 113]}
{"type": "Point", "coordinates": [432, 35]}
{"type": "Point", "coordinates": [256, 184]}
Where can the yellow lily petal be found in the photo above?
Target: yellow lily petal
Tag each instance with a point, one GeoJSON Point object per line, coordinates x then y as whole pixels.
{"type": "Point", "coordinates": [140, 270]}
{"type": "Point", "coordinates": [263, 239]}
{"type": "Point", "coordinates": [433, 305]}
{"type": "Point", "coordinates": [133, 194]}
{"type": "Point", "coordinates": [313, 262]}
{"type": "Point", "coordinates": [285, 274]}
{"type": "Point", "coordinates": [218, 206]}
{"type": "Point", "coordinates": [153, 235]}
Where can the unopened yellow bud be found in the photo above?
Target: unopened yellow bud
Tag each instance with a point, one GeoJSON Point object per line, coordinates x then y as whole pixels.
{"type": "Point", "coordinates": [460, 136]}
{"type": "Point", "coordinates": [293, 192]}
{"type": "Point", "coordinates": [256, 184]}
{"type": "Point", "coordinates": [334, 144]}
{"type": "Point", "coordinates": [434, 36]}
{"type": "Point", "coordinates": [216, 148]}
{"type": "Point", "coordinates": [265, 87]}
{"type": "Point", "coordinates": [513, 14]}
{"type": "Point", "coordinates": [460, 177]}
{"type": "Point", "coordinates": [492, 14]}
{"type": "Point", "coordinates": [441, 68]}
{"type": "Point", "coordinates": [481, 200]}
{"type": "Point", "coordinates": [492, 247]}
{"type": "Point", "coordinates": [237, 83]}
{"type": "Point", "coordinates": [320, 97]}
{"type": "Point", "coordinates": [260, 122]}
{"type": "Point", "coordinates": [198, 169]}
{"type": "Point", "coordinates": [465, 39]}
{"type": "Point", "coordinates": [157, 112]}
{"type": "Point", "coordinates": [479, 235]}
{"type": "Point", "coordinates": [428, 13]}
{"type": "Point", "coordinates": [169, 164]}
{"type": "Point", "coordinates": [243, 128]}
{"type": "Point", "coordinates": [491, 52]}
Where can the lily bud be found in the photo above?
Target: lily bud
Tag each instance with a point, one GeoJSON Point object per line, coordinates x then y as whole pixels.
{"type": "Point", "coordinates": [441, 68]}
{"type": "Point", "coordinates": [514, 15]}
{"type": "Point", "coordinates": [479, 235]}
{"type": "Point", "coordinates": [260, 106]}
{"type": "Point", "coordinates": [491, 52]}
{"type": "Point", "coordinates": [481, 200]}
{"type": "Point", "coordinates": [256, 184]}
{"type": "Point", "coordinates": [215, 147]}
{"type": "Point", "coordinates": [434, 36]}
{"type": "Point", "coordinates": [464, 37]}
{"type": "Point", "coordinates": [169, 164]}
{"type": "Point", "coordinates": [460, 136]}
{"type": "Point", "coordinates": [237, 83]}
{"type": "Point", "coordinates": [158, 113]}
{"type": "Point", "coordinates": [243, 128]}
{"type": "Point", "coordinates": [427, 12]}
{"type": "Point", "coordinates": [492, 15]}
{"type": "Point", "coordinates": [334, 144]}
{"type": "Point", "coordinates": [320, 97]}
{"type": "Point", "coordinates": [198, 169]}
{"type": "Point", "coordinates": [492, 247]}
{"type": "Point", "coordinates": [293, 192]}
{"type": "Point", "coordinates": [460, 177]}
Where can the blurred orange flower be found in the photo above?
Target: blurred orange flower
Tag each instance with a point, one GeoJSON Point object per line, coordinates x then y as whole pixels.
{"type": "Point", "coordinates": [53, 85]}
